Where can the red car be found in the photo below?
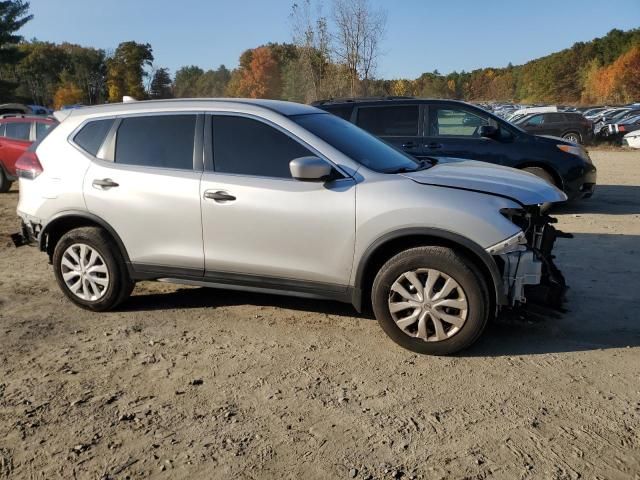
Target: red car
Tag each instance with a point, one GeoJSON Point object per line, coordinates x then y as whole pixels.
{"type": "Point", "coordinates": [17, 133]}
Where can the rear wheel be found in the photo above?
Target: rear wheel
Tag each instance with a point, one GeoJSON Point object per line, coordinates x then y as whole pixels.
{"type": "Point", "coordinates": [5, 183]}
{"type": "Point", "coordinates": [431, 300]}
{"type": "Point", "coordinates": [572, 137]}
{"type": "Point", "coordinates": [90, 269]}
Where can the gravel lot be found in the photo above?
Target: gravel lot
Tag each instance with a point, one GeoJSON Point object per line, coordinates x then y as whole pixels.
{"type": "Point", "coordinates": [200, 383]}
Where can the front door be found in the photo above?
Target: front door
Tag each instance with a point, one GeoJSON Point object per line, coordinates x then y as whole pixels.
{"type": "Point", "coordinates": [259, 222]}
{"type": "Point", "coordinates": [453, 131]}
{"type": "Point", "coordinates": [150, 192]}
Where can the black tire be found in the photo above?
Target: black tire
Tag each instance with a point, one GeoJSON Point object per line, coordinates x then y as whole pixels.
{"type": "Point", "coordinates": [574, 137]}
{"type": "Point", "coordinates": [5, 184]}
{"type": "Point", "coordinates": [120, 284]}
{"type": "Point", "coordinates": [455, 266]}
{"type": "Point", "coordinates": [547, 177]}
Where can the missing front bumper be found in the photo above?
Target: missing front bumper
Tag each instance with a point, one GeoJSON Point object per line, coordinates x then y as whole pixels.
{"type": "Point", "coordinates": [530, 275]}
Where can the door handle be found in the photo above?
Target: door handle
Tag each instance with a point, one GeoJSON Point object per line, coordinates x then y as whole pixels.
{"type": "Point", "coordinates": [104, 183]}
{"type": "Point", "coordinates": [409, 145]}
{"type": "Point", "coordinates": [433, 145]}
{"type": "Point", "coordinates": [219, 196]}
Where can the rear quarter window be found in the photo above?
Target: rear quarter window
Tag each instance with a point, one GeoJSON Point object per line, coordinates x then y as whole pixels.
{"type": "Point", "coordinates": [91, 136]}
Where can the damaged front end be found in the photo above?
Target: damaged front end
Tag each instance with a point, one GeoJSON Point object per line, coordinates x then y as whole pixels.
{"type": "Point", "coordinates": [529, 273]}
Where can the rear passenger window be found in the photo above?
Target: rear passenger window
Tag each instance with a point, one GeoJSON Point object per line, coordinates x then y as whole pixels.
{"type": "Point", "coordinates": [554, 118]}
{"type": "Point", "coordinates": [398, 121]}
{"type": "Point", "coordinates": [18, 130]}
{"type": "Point", "coordinates": [342, 112]}
{"type": "Point", "coordinates": [248, 147]}
{"type": "Point", "coordinates": [2, 127]}
{"type": "Point", "coordinates": [164, 141]}
{"type": "Point", "coordinates": [92, 135]}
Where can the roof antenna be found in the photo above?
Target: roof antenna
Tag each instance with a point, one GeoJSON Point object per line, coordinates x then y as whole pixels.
{"type": "Point", "coordinates": [128, 99]}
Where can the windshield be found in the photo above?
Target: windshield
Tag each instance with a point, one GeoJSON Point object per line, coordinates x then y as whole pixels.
{"type": "Point", "coordinates": [357, 144]}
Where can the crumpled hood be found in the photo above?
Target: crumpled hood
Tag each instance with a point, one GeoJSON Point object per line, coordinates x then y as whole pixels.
{"type": "Point", "coordinates": [523, 187]}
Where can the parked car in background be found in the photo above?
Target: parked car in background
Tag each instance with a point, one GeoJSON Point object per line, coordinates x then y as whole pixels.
{"type": "Point", "coordinates": [17, 133]}
{"type": "Point", "coordinates": [601, 128]}
{"type": "Point", "coordinates": [615, 131]}
{"type": "Point", "coordinates": [632, 139]}
{"type": "Point", "coordinates": [571, 126]}
{"type": "Point", "coordinates": [14, 108]}
{"type": "Point", "coordinates": [284, 198]}
{"type": "Point", "coordinates": [441, 129]}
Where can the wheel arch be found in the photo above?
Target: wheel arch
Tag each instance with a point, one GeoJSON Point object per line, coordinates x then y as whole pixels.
{"type": "Point", "coordinates": [557, 178]}
{"type": "Point", "coordinates": [69, 220]}
{"type": "Point", "coordinates": [392, 243]}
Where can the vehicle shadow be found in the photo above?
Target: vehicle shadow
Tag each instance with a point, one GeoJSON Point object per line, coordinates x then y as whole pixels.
{"type": "Point", "coordinates": [185, 298]}
{"type": "Point", "coordinates": [601, 303]}
{"type": "Point", "coordinates": [603, 273]}
{"type": "Point", "coordinates": [607, 199]}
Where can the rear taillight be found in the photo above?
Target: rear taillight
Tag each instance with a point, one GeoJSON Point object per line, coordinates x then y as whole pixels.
{"type": "Point", "coordinates": [28, 165]}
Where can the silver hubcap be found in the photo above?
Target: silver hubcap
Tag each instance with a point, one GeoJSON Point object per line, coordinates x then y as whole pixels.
{"type": "Point", "coordinates": [84, 272]}
{"type": "Point", "coordinates": [428, 304]}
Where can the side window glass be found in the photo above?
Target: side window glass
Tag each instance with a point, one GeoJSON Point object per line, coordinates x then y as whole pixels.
{"type": "Point", "coordinates": [18, 130]}
{"type": "Point", "coordinates": [449, 122]}
{"type": "Point", "coordinates": [42, 129]}
{"type": "Point", "coordinates": [342, 112]}
{"type": "Point", "coordinates": [397, 121]}
{"type": "Point", "coordinates": [91, 136]}
{"type": "Point", "coordinates": [164, 141]}
{"type": "Point", "coordinates": [245, 146]}
{"type": "Point", "coordinates": [2, 129]}
{"type": "Point", "coordinates": [535, 120]}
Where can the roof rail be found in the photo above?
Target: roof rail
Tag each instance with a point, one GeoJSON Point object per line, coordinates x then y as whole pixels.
{"type": "Point", "coordinates": [361, 99]}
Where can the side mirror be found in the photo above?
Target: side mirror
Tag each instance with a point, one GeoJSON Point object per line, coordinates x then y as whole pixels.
{"type": "Point", "coordinates": [310, 169]}
{"type": "Point", "coordinates": [488, 131]}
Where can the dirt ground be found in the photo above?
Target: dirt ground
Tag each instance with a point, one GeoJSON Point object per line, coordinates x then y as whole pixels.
{"type": "Point", "coordinates": [201, 383]}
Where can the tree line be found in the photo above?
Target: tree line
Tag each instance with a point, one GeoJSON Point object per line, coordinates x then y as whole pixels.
{"type": "Point", "coordinates": [332, 54]}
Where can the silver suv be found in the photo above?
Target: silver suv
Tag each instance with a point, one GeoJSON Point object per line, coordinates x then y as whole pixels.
{"type": "Point", "coordinates": [284, 198]}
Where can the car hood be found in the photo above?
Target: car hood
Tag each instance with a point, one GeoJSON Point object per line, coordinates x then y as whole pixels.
{"type": "Point", "coordinates": [522, 187]}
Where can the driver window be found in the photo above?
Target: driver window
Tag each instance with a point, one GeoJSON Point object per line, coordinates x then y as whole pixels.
{"type": "Point", "coordinates": [449, 122]}
{"type": "Point", "coordinates": [535, 120]}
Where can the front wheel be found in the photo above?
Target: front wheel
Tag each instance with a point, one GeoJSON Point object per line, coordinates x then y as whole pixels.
{"type": "Point", "coordinates": [90, 270]}
{"type": "Point", "coordinates": [431, 300]}
{"type": "Point", "coordinates": [5, 183]}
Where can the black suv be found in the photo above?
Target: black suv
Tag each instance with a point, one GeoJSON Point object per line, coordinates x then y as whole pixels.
{"type": "Point", "coordinates": [568, 125]}
{"type": "Point", "coordinates": [439, 129]}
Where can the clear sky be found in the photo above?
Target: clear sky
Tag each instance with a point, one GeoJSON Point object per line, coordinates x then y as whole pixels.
{"type": "Point", "coordinates": [422, 35]}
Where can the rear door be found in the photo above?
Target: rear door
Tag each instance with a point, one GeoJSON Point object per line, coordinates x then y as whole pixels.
{"type": "Point", "coordinates": [17, 138]}
{"type": "Point", "coordinates": [397, 124]}
{"type": "Point", "coordinates": [146, 185]}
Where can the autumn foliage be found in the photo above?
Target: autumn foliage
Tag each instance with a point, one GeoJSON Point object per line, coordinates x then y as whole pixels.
{"type": "Point", "coordinates": [259, 75]}
{"type": "Point", "coordinates": [615, 83]}
{"type": "Point", "coordinates": [67, 94]}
